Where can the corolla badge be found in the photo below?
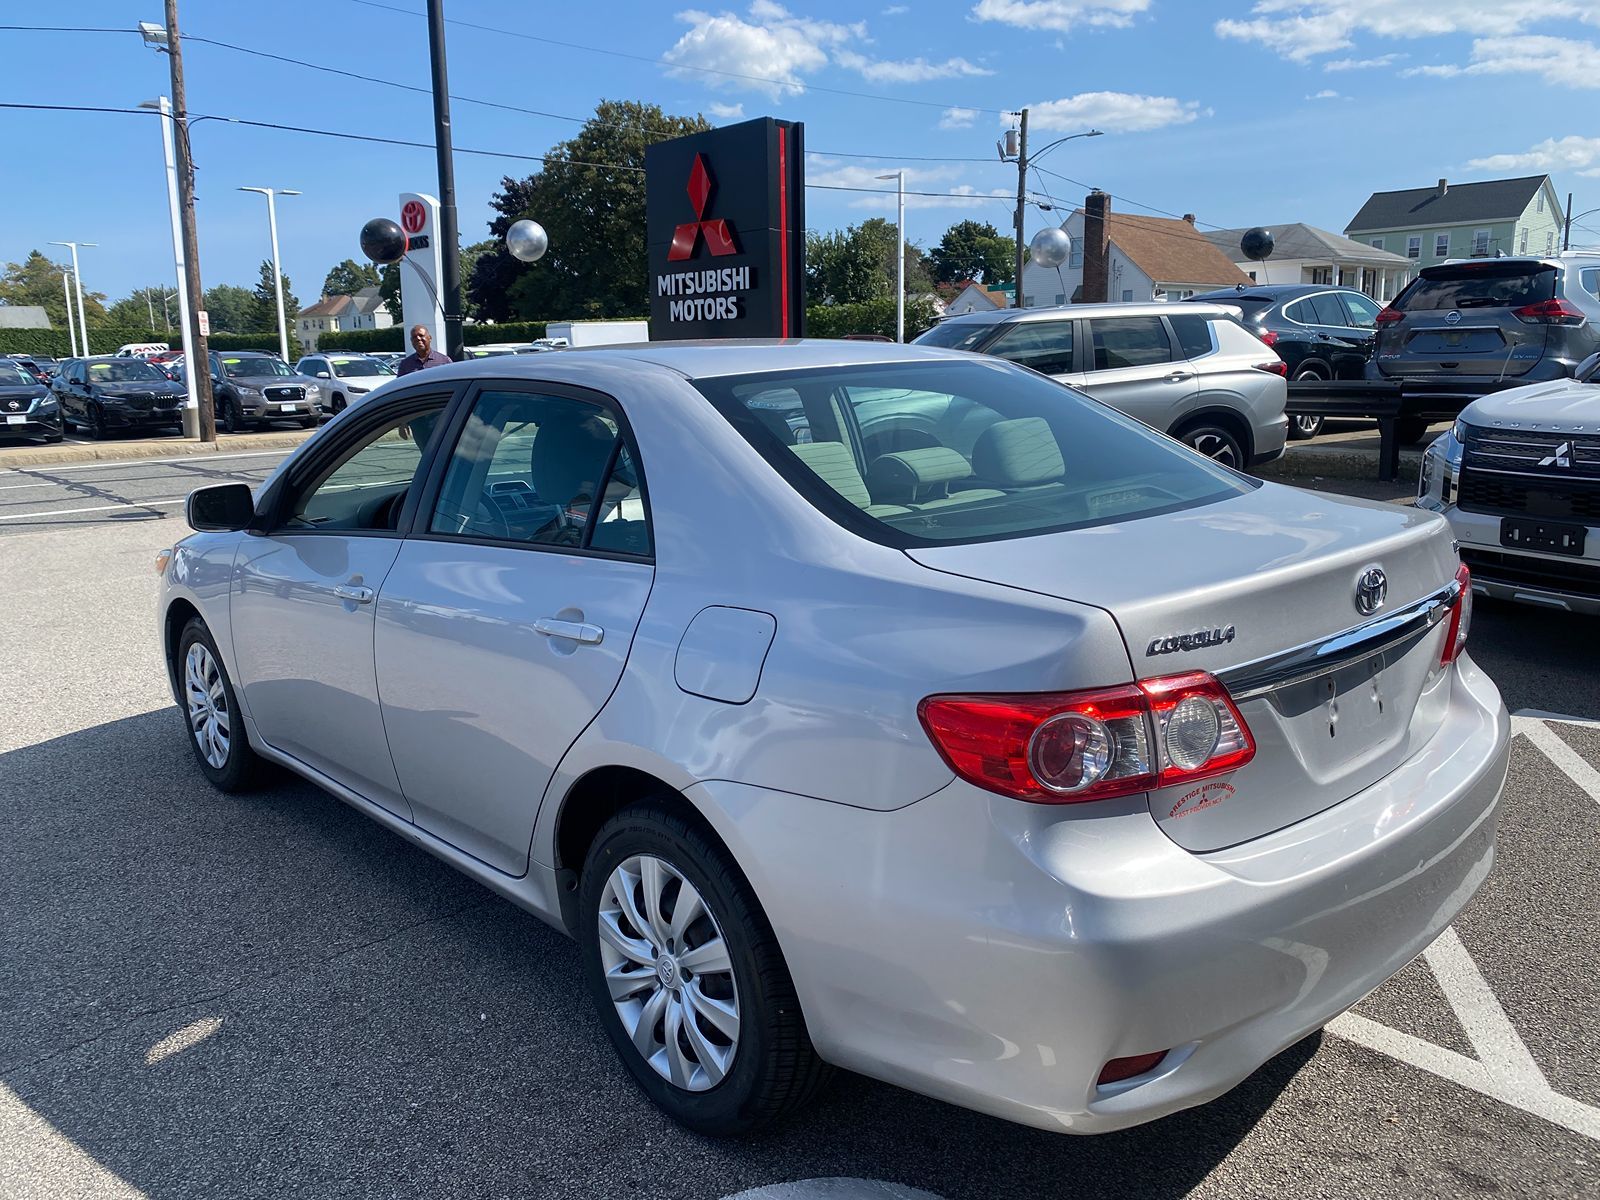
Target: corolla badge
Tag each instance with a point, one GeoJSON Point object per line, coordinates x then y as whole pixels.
{"type": "Point", "coordinates": [1198, 640]}
{"type": "Point", "coordinates": [1452, 318]}
{"type": "Point", "coordinates": [1372, 589]}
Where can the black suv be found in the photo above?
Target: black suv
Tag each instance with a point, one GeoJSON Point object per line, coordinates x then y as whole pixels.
{"type": "Point", "coordinates": [250, 388]}
{"type": "Point", "coordinates": [27, 409]}
{"type": "Point", "coordinates": [102, 394]}
{"type": "Point", "coordinates": [1320, 332]}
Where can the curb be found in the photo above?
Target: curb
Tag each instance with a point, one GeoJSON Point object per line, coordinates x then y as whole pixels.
{"type": "Point", "coordinates": [1338, 462]}
{"type": "Point", "coordinates": [115, 452]}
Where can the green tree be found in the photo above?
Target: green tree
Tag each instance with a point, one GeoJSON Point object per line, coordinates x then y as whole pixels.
{"type": "Point", "coordinates": [389, 289]}
{"type": "Point", "coordinates": [973, 250]}
{"type": "Point", "coordinates": [263, 314]}
{"type": "Point", "coordinates": [37, 281]}
{"type": "Point", "coordinates": [229, 309]}
{"type": "Point", "coordinates": [857, 265]}
{"type": "Point", "coordinates": [350, 277]}
{"type": "Point", "coordinates": [154, 308]}
{"type": "Point", "coordinates": [589, 196]}
{"type": "Point", "coordinates": [469, 263]}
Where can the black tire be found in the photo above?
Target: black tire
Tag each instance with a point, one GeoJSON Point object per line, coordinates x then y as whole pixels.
{"type": "Point", "coordinates": [1410, 430]}
{"type": "Point", "coordinates": [242, 768]}
{"type": "Point", "coordinates": [1302, 429]}
{"type": "Point", "coordinates": [97, 423]}
{"type": "Point", "coordinates": [53, 438]}
{"type": "Point", "coordinates": [338, 404]}
{"type": "Point", "coordinates": [774, 1070]}
{"type": "Point", "coordinates": [310, 422]}
{"type": "Point", "coordinates": [1216, 441]}
{"type": "Point", "coordinates": [232, 418]}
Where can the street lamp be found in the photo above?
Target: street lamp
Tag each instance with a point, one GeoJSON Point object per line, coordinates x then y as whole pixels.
{"type": "Point", "coordinates": [277, 271]}
{"type": "Point", "coordinates": [191, 406]}
{"type": "Point", "coordinates": [72, 328]}
{"type": "Point", "coordinates": [900, 255]}
{"type": "Point", "coordinates": [77, 278]}
{"type": "Point", "coordinates": [1023, 161]}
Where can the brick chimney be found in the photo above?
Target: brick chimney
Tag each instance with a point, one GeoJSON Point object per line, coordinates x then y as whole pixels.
{"type": "Point", "coordinates": [1096, 268]}
{"type": "Point", "coordinates": [1189, 217]}
{"type": "Point", "coordinates": [1444, 186]}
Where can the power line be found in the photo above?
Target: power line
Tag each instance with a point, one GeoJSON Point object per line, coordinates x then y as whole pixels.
{"type": "Point", "coordinates": [62, 29]}
{"type": "Point", "coordinates": [1125, 199]}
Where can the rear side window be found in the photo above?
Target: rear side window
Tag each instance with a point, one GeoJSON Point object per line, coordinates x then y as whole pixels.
{"type": "Point", "coordinates": [1193, 334]}
{"type": "Point", "coordinates": [930, 453]}
{"type": "Point", "coordinates": [1589, 278]}
{"type": "Point", "coordinates": [1478, 286]}
{"type": "Point", "coordinates": [1045, 346]}
{"type": "Point", "coordinates": [1129, 342]}
{"type": "Point", "coordinates": [1327, 308]}
{"type": "Point", "coordinates": [955, 335]}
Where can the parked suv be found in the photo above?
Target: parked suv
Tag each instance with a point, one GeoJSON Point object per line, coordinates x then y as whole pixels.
{"type": "Point", "coordinates": [1320, 332]}
{"type": "Point", "coordinates": [1478, 322]}
{"type": "Point", "coordinates": [27, 409]}
{"type": "Point", "coordinates": [344, 378]}
{"type": "Point", "coordinates": [1518, 477]}
{"type": "Point", "coordinates": [1194, 372]}
{"type": "Point", "coordinates": [250, 388]}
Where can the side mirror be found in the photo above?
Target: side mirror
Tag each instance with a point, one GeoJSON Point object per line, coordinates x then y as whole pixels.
{"type": "Point", "coordinates": [323, 375]}
{"type": "Point", "coordinates": [222, 508]}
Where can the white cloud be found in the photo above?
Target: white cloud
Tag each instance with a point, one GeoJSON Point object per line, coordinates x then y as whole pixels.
{"type": "Point", "coordinates": [1362, 64]}
{"type": "Point", "coordinates": [1325, 94]}
{"type": "Point", "coordinates": [1113, 112]}
{"type": "Point", "coordinates": [774, 44]}
{"type": "Point", "coordinates": [896, 10]}
{"type": "Point", "coordinates": [914, 70]}
{"type": "Point", "coordinates": [1555, 60]}
{"type": "Point", "coordinates": [726, 112]}
{"type": "Point", "coordinates": [1301, 30]}
{"type": "Point", "coordinates": [1060, 15]}
{"type": "Point", "coordinates": [822, 171]}
{"type": "Point", "coordinates": [957, 118]}
{"type": "Point", "coordinates": [1553, 154]}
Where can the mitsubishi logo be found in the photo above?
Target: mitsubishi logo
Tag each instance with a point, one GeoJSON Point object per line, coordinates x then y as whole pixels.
{"type": "Point", "coordinates": [717, 233]}
{"type": "Point", "coordinates": [1561, 458]}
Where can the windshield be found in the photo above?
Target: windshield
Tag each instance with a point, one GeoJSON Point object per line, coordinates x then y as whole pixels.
{"type": "Point", "coordinates": [1478, 285]}
{"type": "Point", "coordinates": [354, 368]}
{"type": "Point", "coordinates": [955, 335]}
{"type": "Point", "coordinates": [12, 375]}
{"type": "Point", "coordinates": [924, 453]}
{"type": "Point", "coordinates": [124, 370]}
{"type": "Point", "coordinates": [250, 367]}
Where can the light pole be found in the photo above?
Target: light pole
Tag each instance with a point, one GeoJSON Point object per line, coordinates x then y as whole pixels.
{"type": "Point", "coordinates": [191, 406]}
{"type": "Point", "coordinates": [277, 271]}
{"type": "Point", "coordinates": [1023, 162]}
{"type": "Point", "coordinates": [77, 282]}
{"type": "Point", "coordinates": [900, 255]}
{"type": "Point", "coordinates": [72, 328]}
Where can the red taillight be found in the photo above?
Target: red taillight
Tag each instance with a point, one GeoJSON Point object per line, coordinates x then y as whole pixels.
{"type": "Point", "coordinates": [1389, 315]}
{"type": "Point", "coordinates": [1270, 337]}
{"type": "Point", "coordinates": [1071, 747]}
{"type": "Point", "coordinates": [1550, 312]}
{"type": "Point", "coordinates": [1455, 637]}
{"type": "Point", "coordinates": [1276, 367]}
{"type": "Point", "coordinates": [1126, 1068]}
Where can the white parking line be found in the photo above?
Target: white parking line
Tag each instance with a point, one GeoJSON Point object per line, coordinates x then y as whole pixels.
{"type": "Point", "coordinates": [1567, 760]}
{"type": "Point", "coordinates": [11, 487]}
{"type": "Point", "coordinates": [66, 512]}
{"type": "Point", "coordinates": [143, 462]}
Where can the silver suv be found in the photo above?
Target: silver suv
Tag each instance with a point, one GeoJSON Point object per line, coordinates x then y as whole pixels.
{"type": "Point", "coordinates": [1192, 371]}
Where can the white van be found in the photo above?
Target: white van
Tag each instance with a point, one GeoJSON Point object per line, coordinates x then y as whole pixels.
{"type": "Point", "coordinates": [142, 349]}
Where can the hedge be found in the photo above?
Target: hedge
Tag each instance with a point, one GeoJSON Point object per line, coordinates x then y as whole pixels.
{"type": "Point", "coordinates": [870, 316]}
{"type": "Point", "coordinates": [104, 339]}
{"type": "Point", "coordinates": [245, 341]}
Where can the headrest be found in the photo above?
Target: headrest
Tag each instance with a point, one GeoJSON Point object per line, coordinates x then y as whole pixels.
{"type": "Point", "coordinates": [1020, 453]}
{"type": "Point", "coordinates": [906, 475]}
{"type": "Point", "coordinates": [833, 463]}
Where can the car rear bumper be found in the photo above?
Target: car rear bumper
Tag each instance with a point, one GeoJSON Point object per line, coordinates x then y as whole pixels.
{"type": "Point", "coordinates": [997, 954]}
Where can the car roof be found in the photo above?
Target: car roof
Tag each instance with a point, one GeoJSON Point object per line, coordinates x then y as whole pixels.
{"type": "Point", "coordinates": [1115, 308]}
{"type": "Point", "coordinates": [1274, 291]}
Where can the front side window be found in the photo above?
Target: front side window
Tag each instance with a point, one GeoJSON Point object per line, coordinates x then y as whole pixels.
{"type": "Point", "coordinates": [1129, 342]}
{"type": "Point", "coordinates": [364, 489]}
{"type": "Point", "coordinates": [544, 470]}
{"type": "Point", "coordinates": [915, 454]}
{"type": "Point", "coordinates": [1045, 346]}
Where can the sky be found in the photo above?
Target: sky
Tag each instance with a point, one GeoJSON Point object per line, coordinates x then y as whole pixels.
{"type": "Point", "coordinates": [1242, 112]}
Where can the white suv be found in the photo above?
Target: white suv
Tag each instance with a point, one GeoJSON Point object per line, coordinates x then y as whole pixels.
{"type": "Point", "coordinates": [1190, 370]}
{"type": "Point", "coordinates": [1518, 477]}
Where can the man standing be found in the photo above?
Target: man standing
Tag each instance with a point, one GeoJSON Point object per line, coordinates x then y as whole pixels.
{"type": "Point", "coordinates": [425, 356]}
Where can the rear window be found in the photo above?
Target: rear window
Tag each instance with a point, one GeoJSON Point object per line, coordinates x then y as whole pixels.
{"type": "Point", "coordinates": [955, 335]}
{"type": "Point", "coordinates": [1486, 285]}
{"type": "Point", "coordinates": [921, 454]}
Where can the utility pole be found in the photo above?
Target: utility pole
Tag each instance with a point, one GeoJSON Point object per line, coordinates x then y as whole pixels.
{"type": "Point", "coordinates": [450, 252]}
{"type": "Point", "coordinates": [1566, 236]}
{"type": "Point", "coordinates": [150, 304]}
{"type": "Point", "coordinates": [197, 364]}
{"type": "Point", "coordinates": [1022, 192]}
{"type": "Point", "coordinates": [900, 255]}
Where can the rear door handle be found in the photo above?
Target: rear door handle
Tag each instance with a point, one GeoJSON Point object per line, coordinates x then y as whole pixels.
{"type": "Point", "coordinates": [583, 634]}
{"type": "Point", "coordinates": [353, 593]}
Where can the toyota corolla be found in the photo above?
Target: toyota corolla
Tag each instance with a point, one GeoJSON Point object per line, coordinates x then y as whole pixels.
{"type": "Point", "coordinates": [864, 706]}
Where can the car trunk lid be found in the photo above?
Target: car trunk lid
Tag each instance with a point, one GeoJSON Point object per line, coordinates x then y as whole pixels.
{"type": "Point", "coordinates": [1462, 319]}
{"type": "Point", "coordinates": [1251, 589]}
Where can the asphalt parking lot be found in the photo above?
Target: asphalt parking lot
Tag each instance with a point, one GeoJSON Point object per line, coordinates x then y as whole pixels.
{"type": "Point", "coordinates": [268, 995]}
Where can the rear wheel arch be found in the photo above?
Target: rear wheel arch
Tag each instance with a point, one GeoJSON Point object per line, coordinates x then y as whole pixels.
{"type": "Point", "coordinates": [1313, 368]}
{"type": "Point", "coordinates": [1225, 417]}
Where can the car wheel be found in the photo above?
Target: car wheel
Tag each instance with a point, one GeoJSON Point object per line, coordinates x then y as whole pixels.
{"type": "Point", "coordinates": [309, 422]}
{"type": "Point", "coordinates": [338, 404]}
{"type": "Point", "coordinates": [216, 731]}
{"type": "Point", "coordinates": [1410, 430]}
{"type": "Point", "coordinates": [688, 978]}
{"type": "Point", "coordinates": [232, 418]}
{"type": "Point", "coordinates": [97, 422]}
{"type": "Point", "coordinates": [55, 437]}
{"type": "Point", "coordinates": [1215, 442]}
{"type": "Point", "coordinates": [1304, 428]}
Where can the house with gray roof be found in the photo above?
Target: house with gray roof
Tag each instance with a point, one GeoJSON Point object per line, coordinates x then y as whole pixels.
{"type": "Point", "coordinates": [1463, 220]}
{"type": "Point", "coordinates": [1305, 254]}
{"type": "Point", "coordinates": [23, 316]}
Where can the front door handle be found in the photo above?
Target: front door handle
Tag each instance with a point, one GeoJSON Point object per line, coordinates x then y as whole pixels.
{"type": "Point", "coordinates": [353, 593]}
{"type": "Point", "coordinates": [583, 634]}
{"type": "Point", "coordinates": [1178, 377]}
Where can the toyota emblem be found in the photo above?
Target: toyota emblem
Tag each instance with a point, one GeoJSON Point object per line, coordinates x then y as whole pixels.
{"type": "Point", "coordinates": [1372, 589]}
{"type": "Point", "coordinates": [1452, 318]}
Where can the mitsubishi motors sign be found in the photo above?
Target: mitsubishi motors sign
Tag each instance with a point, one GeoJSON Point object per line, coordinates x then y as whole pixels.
{"type": "Point", "coordinates": [725, 221]}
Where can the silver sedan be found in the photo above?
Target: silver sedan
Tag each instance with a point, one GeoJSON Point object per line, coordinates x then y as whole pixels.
{"type": "Point", "coordinates": [864, 706]}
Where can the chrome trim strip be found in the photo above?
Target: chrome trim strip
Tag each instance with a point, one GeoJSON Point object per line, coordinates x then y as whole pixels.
{"type": "Point", "coordinates": [1249, 680]}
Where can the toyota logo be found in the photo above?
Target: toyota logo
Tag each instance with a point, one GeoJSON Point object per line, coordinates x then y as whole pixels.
{"type": "Point", "coordinates": [1452, 318]}
{"type": "Point", "coordinates": [1372, 589]}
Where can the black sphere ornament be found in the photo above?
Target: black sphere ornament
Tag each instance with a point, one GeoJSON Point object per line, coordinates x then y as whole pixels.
{"type": "Point", "coordinates": [1257, 244]}
{"type": "Point", "coordinates": [383, 241]}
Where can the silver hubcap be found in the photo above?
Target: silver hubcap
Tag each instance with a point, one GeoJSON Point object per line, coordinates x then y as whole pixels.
{"type": "Point", "coordinates": [1307, 424]}
{"type": "Point", "coordinates": [208, 705]}
{"type": "Point", "coordinates": [669, 974]}
{"type": "Point", "coordinates": [1214, 445]}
